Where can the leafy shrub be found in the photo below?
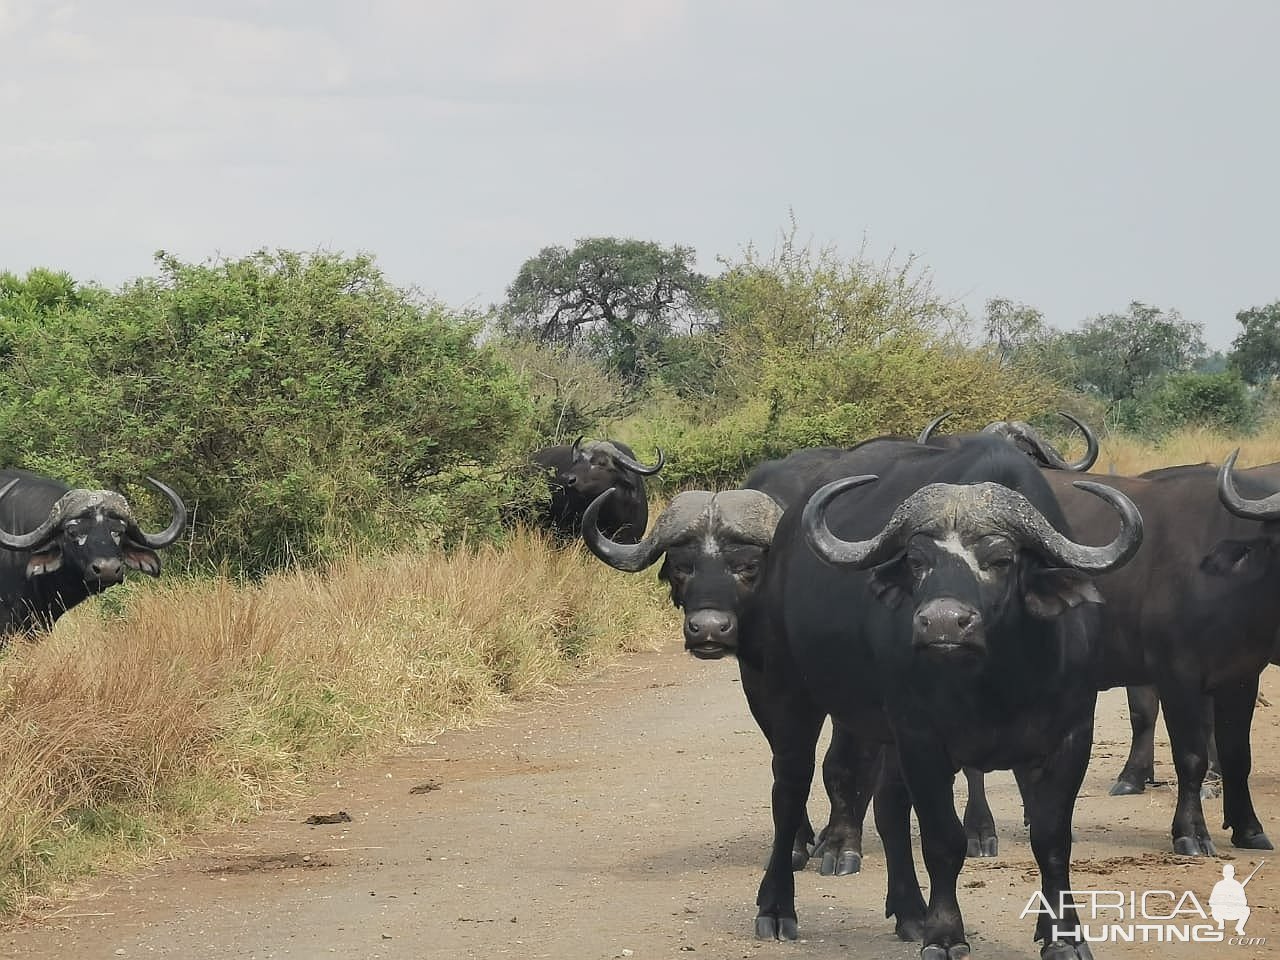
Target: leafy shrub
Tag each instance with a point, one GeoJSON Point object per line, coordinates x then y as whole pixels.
{"type": "Point", "coordinates": [298, 402]}
{"type": "Point", "coordinates": [1221, 401]}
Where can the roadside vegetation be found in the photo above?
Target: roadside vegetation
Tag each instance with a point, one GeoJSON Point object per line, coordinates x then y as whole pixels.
{"type": "Point", "coordinates": [352, 452]}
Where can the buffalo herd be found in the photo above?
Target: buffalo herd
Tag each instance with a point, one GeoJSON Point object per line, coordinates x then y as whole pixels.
{"type": "Point", "coordinates": [949, 602]}
{"type": "Point", "coordinates": [955, 602]}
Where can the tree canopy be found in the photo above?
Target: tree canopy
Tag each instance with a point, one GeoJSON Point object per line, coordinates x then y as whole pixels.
{"type": "Point", "coordinates": [619, 299]}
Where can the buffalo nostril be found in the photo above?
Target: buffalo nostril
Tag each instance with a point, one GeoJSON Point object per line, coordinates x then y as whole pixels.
{"type": "Point", "coordinates": [922, 621]}
{"type": "Point", "coordinates": [724, 627]}
{"type": "Point", "coordinates": [693, 626]}
{"type": "Point", "coordinates": [963, 620]}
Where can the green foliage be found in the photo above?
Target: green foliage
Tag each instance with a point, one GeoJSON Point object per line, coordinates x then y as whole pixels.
{"type": "Point", "coordinates": [1019, 334]}
{"type": "Point", "coordinates": [815, 350]}
{"type": "Point", "coordinates": [1118, 355]}
{"type": "Point", "coordinates": [1255, 352]}
{"type": "Point", "coordinates": [1219, 400]}
{"type": "Point", "coordinates": [619, 300]}
{"type": "Point", "coordinates": [298, 402]}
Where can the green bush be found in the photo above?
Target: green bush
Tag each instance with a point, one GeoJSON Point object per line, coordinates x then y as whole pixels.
{"type": "Point", "coordinates": [1219, 400]}
{"type": "Point", "coordinates": [814, 350]}
{"type": "Point", "coordinates": [298, 402]}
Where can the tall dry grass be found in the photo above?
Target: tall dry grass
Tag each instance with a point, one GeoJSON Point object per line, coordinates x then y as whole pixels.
{"type": "Point", "coordinates": [1131, 455]}
{"type": "Point", "coordinates": [194, 701]}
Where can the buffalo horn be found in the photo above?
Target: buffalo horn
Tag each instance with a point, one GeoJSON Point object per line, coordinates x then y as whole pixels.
{"type": "Point", "coordinates": [927, 432]}
{"type": "Point", "coordinates": [1268, 508]}
{"type": "Point", "coordinates": [170, 533]}
{"type": "Point", "coordinates": [25, 541]}
{"type": "Point", "coordinates": [635, 466]}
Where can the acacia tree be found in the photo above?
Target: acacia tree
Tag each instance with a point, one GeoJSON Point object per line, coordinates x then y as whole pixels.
{"type": "Point", "coordinates": [619, 299]}
{"type": "Point", "coordinates": [1255, 352]}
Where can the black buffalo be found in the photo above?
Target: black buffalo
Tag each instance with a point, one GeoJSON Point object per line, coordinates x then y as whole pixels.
{"type": "Point", "coordinates": [715, 546]}
{"type": "Point", "coordinates": [1026, 438]}
{"type": "Point", "coordinates": [1196, 614]}
{"type": "Point", "coordinates": [577, 473]}
{"type": "Point", "coordinates": [64, 545]}
{"type": "Point", "coordinates": [948, 600]}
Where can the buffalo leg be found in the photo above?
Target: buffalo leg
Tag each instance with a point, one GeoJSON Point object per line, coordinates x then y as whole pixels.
{"type": "Point", "coordinates": [1184, 716]}
{"type": "Point", "coordinates": [903, 901]}
{"type": "Point", "coordinates": [758, 700]}
{"type": "Point", "coordinates": [796, 726]}
{"type": "Point", "coordinates": [849, 771]}
{"type": "Point", "coordinates": [1049, 789]}
{"type": "Point", "coordinates": [931, 779]}
{"type": "Point", "coordinates": [979, 823]}
{"type": "Point", "coordinates": [1139, 769]}
{"type": "Point", "coordinates": [1213, 775]}
{"type": "Point", "coordinates": [1233, 717]}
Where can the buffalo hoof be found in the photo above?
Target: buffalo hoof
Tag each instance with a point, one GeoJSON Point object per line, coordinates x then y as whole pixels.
{"type": "Point", "coordinates": [1127, 788]}
{"type": "Point", "coordinates": [1066, 950]}
{"type": "Point", "coordinates": [934, 951]}
{"type": "Point", "coordinates": [777, 928]}
{"type": "Point", "coordinates": [983, 847]}
{"type": "Point", "coordinates": [1251, 841]}
{"type": "Point", "coordinates": [840, 864]}
{"type": "Point", "coordinates": [1194, 847]}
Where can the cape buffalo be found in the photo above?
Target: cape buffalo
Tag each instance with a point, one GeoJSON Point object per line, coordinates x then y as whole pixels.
{"type": "Point", "coordinates": [64, 545]}
{"type": "Point", "coordinates": [948, 599]}
{"type": "Point", "coordinates": [1026, 438]}
{"type": "Point", "coordinates": [1193, 615]}
{"type": "Point", "coordinates": [715, 546]}
{"type": "Point", "coordinates": [577, 473]}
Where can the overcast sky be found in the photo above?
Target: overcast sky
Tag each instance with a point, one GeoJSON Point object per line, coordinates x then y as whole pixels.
{"type": "Point", "coordinates": [1074, 156]}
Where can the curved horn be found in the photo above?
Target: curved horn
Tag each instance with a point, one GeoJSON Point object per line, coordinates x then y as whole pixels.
{"type": "Point", "coordinates": [1268, 508]}
{"type": "Point", "coordinates": [1028, 521]}
{"type": "Point", "coordinates": [927, 432]}
{"type": "Point", "coordinates": [635, 466]}
{"type": "Point", "coordinates": [170, 533]}
{"type": "Point", "coordinates": [1090, 455]}
{"type": "Point", "coordinates": [860, 553]}
{"type": "Point", "coordinates": [573, 448]}
{"type": "Point", "coordinates": [25, 541]}
{"type": "Point", "coordinates": [628, 557]}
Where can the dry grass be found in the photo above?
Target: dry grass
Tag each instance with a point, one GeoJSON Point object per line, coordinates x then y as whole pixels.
{"type": "Point", "coordinates": [188, 702]}
{"type": "Point", "coordinates": [1131, 456]}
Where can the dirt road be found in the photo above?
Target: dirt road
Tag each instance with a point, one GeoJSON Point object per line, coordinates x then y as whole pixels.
{"type": "Point", "coordinates": [627, 818]}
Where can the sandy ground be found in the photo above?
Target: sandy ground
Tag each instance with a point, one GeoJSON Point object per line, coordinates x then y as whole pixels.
{"type": "Point", "coordinates": [627, 817]}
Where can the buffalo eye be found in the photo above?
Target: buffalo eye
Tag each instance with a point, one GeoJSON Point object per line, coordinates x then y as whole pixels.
{"type": "Point", "coordinates": [917, 565]}
{"type": "Point", "coordinates": [998, 564]}
{"type": "Point", "coordinates": [682, 570]}
{"type": "Point", "coordinates": [747, 569]}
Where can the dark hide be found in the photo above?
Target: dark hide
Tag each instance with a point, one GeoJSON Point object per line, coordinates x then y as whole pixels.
{"type": "Point", "coordinates": [83, 556]}
{"type": "Point", "coordinates": [574, 481]}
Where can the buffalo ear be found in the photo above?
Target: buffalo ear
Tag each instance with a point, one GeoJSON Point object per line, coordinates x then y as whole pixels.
{"type": "Point", "coordinates": [142, 559]}
{"type": "Point", "coordinates": [46, 558]}
{"type": "Point", "coordinates": [891, 582]}
{"type": "Point", "coordinates": [664, 574]}
{"type": "Point", "coordinates": [1249, 559]}
{"type": "Point", "coordinates": [1049, 591]}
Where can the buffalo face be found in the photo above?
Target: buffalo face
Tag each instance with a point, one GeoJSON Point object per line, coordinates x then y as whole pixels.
{"type": "Point", "coordinates": [596, 466]}
{"type": "Point", "coordinates": [967, 557]}
{"type": "Point", "coordinates": [95, 533]}
{"type": "Point", "coordinates": [712, 580]}
{"type": "Point", "coordinates": [716, 546]}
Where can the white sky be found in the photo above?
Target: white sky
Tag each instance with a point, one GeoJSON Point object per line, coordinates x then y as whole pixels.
{"type": "Point", "coordinates": [1073, 156]}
